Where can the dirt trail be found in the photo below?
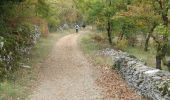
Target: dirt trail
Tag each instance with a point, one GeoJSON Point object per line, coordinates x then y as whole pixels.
{"type": "Point", "coordinates": [67, 75]}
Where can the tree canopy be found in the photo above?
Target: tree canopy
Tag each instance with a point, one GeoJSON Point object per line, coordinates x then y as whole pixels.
{"type": "Point", "coordinates": [130, 18]}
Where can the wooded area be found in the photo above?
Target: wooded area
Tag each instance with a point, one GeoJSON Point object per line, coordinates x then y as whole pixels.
{"type": "Point", "coordinates": [138, 27]}
{"type": "Point", "coordinates": [23, 21]}
{"type": "Point", "coordinates": [129, 19]}
{"type": "Point", "coordinates": [125, 22]}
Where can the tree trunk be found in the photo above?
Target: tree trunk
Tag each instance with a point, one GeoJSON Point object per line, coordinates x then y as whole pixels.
{"type": "Point", "coordinates": [158, 62]}
{"type": "Point", "coordinates": [147, 42]}
{"type": "Point", "coordinates": [162, 49]}
{"type": "Point", "coordinates": [159, 57]}
{"type": "Point", "coordinates": [148, 37]}
{"type": "Point", "coordinates": [109, 32]}
{"type": "Point", "coordinates": [109, 25]}
{"type": "Point", "coordinates": [165, 39]}
{"type": "Point", "coordinates": [161, 53]}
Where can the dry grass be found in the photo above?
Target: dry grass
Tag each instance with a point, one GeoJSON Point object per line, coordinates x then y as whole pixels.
{"type": "Point", "coordinates": [148, 57]}
{"type": "Point", "coordinates": [92, 43]}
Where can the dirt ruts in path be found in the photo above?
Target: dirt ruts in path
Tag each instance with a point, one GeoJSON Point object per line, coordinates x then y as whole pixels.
{"type": "Point", "coordinates": [67, 75]}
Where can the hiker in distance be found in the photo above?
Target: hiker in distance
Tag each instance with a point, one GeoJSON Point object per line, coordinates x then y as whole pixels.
{"type": "Point", "coordinates": [77, 28]}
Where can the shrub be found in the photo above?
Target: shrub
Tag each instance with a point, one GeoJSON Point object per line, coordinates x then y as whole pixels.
{"type": "Point", "coordinates": [98, 37]}
{"type": "Point", "coordinates": [122, 44]}
{"type": "Point", "coordinates": [168, 48]}
{"type": "Point", "coordinates": [15, 44]}
{"type": "Point", "coordinates": [132, 41]}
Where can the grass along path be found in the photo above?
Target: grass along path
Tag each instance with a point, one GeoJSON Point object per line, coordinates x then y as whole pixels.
{"type": "Point", "coordinates": [23, 80]}
{"type": "Point", "coordinates": [113, 86]}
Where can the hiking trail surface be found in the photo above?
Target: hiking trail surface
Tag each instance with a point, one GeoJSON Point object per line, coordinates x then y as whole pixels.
{"type": "Point", "coordinates": [66, 74]}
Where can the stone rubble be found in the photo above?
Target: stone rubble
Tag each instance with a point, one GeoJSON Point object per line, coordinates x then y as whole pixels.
{"type": "Point", "coordinates": [149, 82]}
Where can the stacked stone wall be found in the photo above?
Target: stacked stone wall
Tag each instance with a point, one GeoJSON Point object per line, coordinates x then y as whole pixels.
{"type": "Point", "coordinates": [149, 82]}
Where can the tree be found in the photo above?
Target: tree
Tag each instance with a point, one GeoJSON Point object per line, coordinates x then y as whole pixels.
{"type": "Point", "coordinates": [101, 12]}
{"type": "Point", "coordinates": [161, 7]}
{"type": "Point", "coordinates": [157, 21]}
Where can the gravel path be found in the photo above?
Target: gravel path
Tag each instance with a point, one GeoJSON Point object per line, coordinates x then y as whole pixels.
{"type": "Point", "coordinates": [67, 75]}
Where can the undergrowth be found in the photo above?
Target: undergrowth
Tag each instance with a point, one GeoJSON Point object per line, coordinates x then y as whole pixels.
{"type": "Point", "coordinates": [20, 83]}
{"type": "Point", "coordinates": [93, 42]}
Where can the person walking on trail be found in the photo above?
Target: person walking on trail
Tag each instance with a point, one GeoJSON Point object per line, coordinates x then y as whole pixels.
{"type": "Point", "coordinates": [77, 28]}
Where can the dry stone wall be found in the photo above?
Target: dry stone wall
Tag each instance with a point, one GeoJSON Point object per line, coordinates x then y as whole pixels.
{"type": "Point", "coordinates": [13, 48]}
{"type": "Point", "coordinates": [149, 82]}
